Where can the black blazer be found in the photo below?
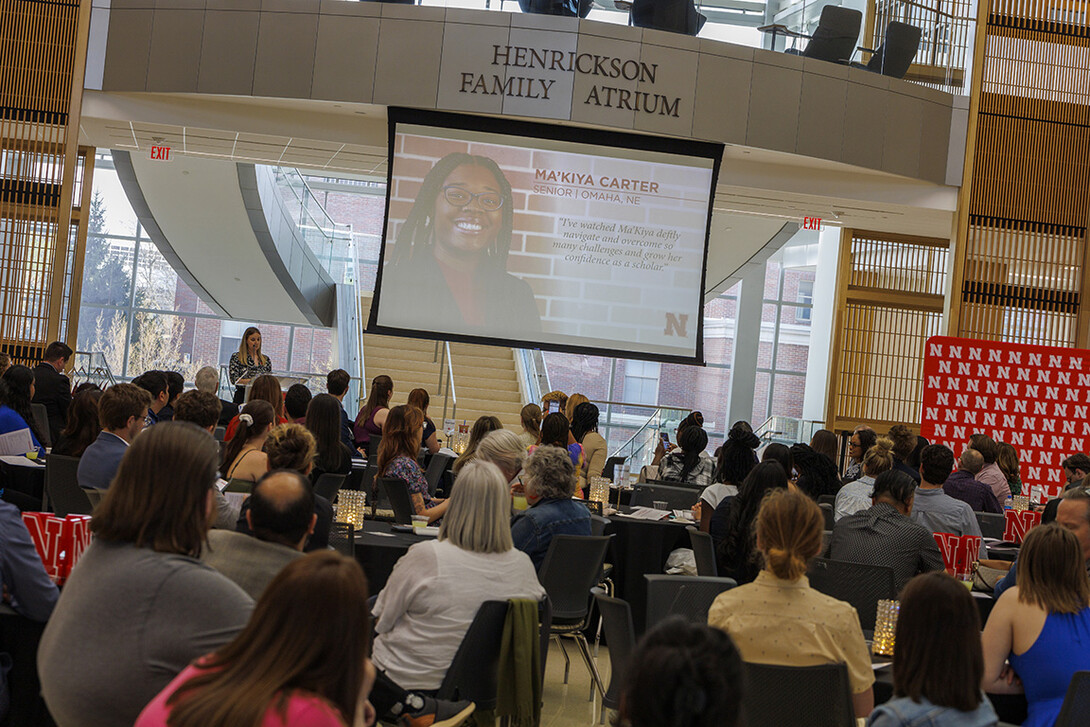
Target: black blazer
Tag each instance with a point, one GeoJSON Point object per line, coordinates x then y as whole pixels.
{"type": "Point", "coordinates": [227, 412]}
{"type": "Point", "coordinates": [53, 390]}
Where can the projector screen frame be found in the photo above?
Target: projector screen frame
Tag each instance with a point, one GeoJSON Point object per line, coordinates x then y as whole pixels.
{"type": "Point", "coordinates": [558, 132]}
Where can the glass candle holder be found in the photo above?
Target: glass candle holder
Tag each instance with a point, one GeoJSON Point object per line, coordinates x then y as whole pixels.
{"type": "Point", "coordinates": [351, 507]}
{"type": "Point", "coordinates": [1021, 502]}
{"type": "Point", "coordinates": [885, 626]}
{"type": "Point", "coordinates": [599, 490]}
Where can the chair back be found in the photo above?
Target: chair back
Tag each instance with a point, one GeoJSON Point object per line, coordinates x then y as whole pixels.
{"type": "Point", "coordinates": [827, 512]}
{"type": "Point", "coordinates": [894, 57]}
{"type": "Point", "coordinates": [621, 637]}
{"type": "Point", "coordinates": [372, 447]}
{"type": "Point", "coordinates": [570, 569]}
{"type": "Point", "coordinates": [41, 420]}
{"type": "Point", "coordinates": [219, 433]}
{"type": "Point", "coordinates": [436, 467]}
{"type": "Point", "coordinates": [676, 498]}
{"type": "Point", "coordinates": [598, 524]}
{"type": "Point", "coordinates": [815, 696]}
{"type": "Point", "coordinates": [835, 37]}
{"type": "Point", "coordinates": [992, 524]}
{"type": "Point", "coordinates": [328, 485]}
{"type": "Point", "coordinates": [830, 499]}
{"type": "Point", "coordinates": [376, 497]}
{"type": "Point", "coordinates": [473, 674]}
{"type": "Point", "coordinates": [62, 487]}
{"type": "Point", "coordinates": [94, 496]}
{"type": "Point", "coordinates": [704, 551]}
{"type": "Point", "coordinates": [397, 494]}
{"type": "Point", "coordinates": [610, 466]}
{"type": "Point", "coordinates": [342, 538]}
{"type": "Point", "coordinates": [686, 596]}
{"type": "Point", "coordinates": [675, 16]}
{"type": "Point", "coordinates": [1076, 703]}
{"type": "Point", "coordinates": [860, 585]}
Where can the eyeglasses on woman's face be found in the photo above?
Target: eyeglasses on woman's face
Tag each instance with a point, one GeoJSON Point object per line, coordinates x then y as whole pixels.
{"type": "Point", "coordinates": [460, 197]}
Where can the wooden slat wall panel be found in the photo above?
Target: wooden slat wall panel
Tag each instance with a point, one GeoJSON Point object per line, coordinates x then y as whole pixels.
{"type": "Point", "coordinates": [1024, 228]}
{"type": "Point", "coordinates": [42, 48]}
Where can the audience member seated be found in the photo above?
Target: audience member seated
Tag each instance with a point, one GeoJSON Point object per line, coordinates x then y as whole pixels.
{"type": "Point", "coordinates": [584, 429]}
{"type": "Point", "coordinates": [296, 401]}
{"type": "Point", "coordinates": [683, 674]}
{"type": "Point", "coordinates": [779, 618]}
{"type": "Point", "coordinates": [480, 428]}
{"type": "Point", "coordinates": [16, 392]}
{"type": "Point", "coordinates": [336, 385]}
{"type": "Point", "coordinates": [689, 464]}
{"type": "Point", "coordinates": [203, 409]}
{"type": "Point", "coordinates": [286, 667]}
{"type": "Point", "coordinates": [397, 458]}
{"type": "Point", "coordinates": [52, 389]}
{"type": "Point", "coordinates": [208, 381]}
{"type": "Point", "coordinates": [1075, 469]}
{"type": "Point", "coordinates": [244, 461]}
{"type": "Point", "coordinates": [1041, 626]}
{"type": "Point", "coordinates": [281, 518]}
{"type": "Point", "coordinates": [963, 485]}
{"type": "Point", "coordinates": [736, 459]}
{"type": "Point", "coordinates": [857, 496]}
{"type": "Point", "coordinates": [155, 383]}
{"type": "Point", "coordinates": [122, 410]}
{"type": "Point", "coordinates": [885, 535]}
{"type": "Point", "coordinates": [420, 399]}
{"type": "Point", "coordinates": [933, 508]}
{"type": "Point", "coordinates": [504, 449]}
{"type": "Point", "coordinates": [938, 663]}
{"type": "Point", "coordinates": [265, 387]}
{"type": "Point", "coordinates": [732, 524]}
{"type": "Point", "coordinates": [372, 417]}
{"type": "Point", "coordinates": [862, 439]}
{"type": "Point", "coordinates": [139, 606]}
{"type": "Point", "coordinates": [323, 420]}
{"type": "Point", "coordinates": [437, 587]}
{"type": "Point", "coordinates": [530, 417]}
{"type": "Point", "coordinates": [824, 442]}
{"type": "Point", "coordinates": [83, 425]}
{"type": "Point", "coordinates": [175, 387]}
{"type": "Point", "coordinates": [990, 474]}
{"type": "Point", "coordinates": [781, 453]}
{"type": "Point", "coordinates": [555, 432]}
{"type": "Point", "coordinates": [549, 485]}
{"type": "Point", "coordinates": [904, 443]}
{"type": "Point", "coordinates": [1007, 458]}
{"type": "Point", "coordinates": [817, 473]}
{"type": "Point", "coordinates": [1072, 513]}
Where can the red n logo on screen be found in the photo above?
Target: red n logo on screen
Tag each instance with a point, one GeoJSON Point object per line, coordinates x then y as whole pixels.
{"type": "Point", "coordinates": [677, 325]}
{"type": "Point", "coordinates": [1020, 522]}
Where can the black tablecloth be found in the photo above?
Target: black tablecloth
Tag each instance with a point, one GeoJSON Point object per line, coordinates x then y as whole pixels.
{"type": "Point", "coordinates": [29, 481]}
{"type": "Point", "coordinates": [378, 548]}
{"type": "Point", "coordinates": [641, 547]}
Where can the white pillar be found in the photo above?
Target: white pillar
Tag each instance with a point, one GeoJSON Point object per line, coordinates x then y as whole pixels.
{"type": "Point", "coordinates": [747, 341]}
{"type": "Point", "coordinates": [822, 319]}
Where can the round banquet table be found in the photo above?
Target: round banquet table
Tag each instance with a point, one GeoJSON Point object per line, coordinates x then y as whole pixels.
{"type": "Point", "coordinates": [641, 547]}
{"type": "Point", "coordinates": [378, 548]}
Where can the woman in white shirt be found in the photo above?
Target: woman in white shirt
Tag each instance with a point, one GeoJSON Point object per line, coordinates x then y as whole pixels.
{"type": "Point", "coordinates": [856, 496]}
{"type": "Point", "coordinates": [437, 587]}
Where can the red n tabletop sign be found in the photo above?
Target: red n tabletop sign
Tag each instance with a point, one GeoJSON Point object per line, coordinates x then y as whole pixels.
{"type": "Point", "coordinates": [959, 552]}
{"type": "Point", "coordinates": [1020, 522]}
{"type": "Point", "coordinates": [60, 541]}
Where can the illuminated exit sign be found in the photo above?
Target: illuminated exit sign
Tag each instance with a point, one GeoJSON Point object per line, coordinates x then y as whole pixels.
{"type": "Point", "coordinates": [159, 154]}
{"type": "Point", "coordinates": [808, 223]}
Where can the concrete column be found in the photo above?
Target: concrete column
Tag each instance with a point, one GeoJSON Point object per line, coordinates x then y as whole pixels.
{"type": "Point", "coordinates": [822, 319]}
{"type": "Point", "coordinates": [747, 339]}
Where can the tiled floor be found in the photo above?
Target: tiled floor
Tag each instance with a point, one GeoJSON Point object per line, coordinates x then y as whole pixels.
{"type": "Point", "coordinates": [566, 705]}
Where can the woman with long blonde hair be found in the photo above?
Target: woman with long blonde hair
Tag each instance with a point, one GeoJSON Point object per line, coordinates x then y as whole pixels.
{"type": "Point", "coordinates": [247, 363]}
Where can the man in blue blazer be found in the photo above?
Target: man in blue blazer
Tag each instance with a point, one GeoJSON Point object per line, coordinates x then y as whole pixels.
{"type": "Point", "coordinates": [121, 409]}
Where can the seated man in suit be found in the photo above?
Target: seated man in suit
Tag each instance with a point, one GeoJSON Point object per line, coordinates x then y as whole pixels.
{"type": "Point", "coordinates": [52, 388]}
{"type": "Point", "coordinates": [281, 516]}
{"type": "Point", "coordinates": [209, 381]}
{"type": "Point", "coordinates": [121, 410]}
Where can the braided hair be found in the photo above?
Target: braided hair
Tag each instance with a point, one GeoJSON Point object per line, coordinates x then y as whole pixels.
{"type": "Point", "coordinates": [737, 456]}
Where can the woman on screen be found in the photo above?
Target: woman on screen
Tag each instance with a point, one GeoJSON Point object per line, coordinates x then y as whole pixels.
{"type": "Point", "coordinates": [448, 269]}
{"type": "Point", "coordinates": [247, 363]}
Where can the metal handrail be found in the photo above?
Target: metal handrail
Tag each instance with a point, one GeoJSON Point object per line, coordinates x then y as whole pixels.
{"type": "Point", "coordinates": [450, 395]}
{"type": "Point", "coordinates": [93, 371]}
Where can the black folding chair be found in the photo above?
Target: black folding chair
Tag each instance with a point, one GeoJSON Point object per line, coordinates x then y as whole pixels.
{"type": "Point", "coordinates": [62, 489]}
{"type": "Point", "coordinates": [328, 485]}
{"type": "Point", "coordinates": [835, 36]}
{"type": "Point", "coordinates": [992, 524]}
{"type": "Point", "coordinates": [397, 493]}
{"type": "Point", "coordinates": [894, 57]}
{"type": "Point", "coordinates": [611, 465]}
{"type": "Point", "coordinates": [676, 498]}
{"type": "Point", "coordinates": [342, 538]}
{"type": "Point", "coordinates": [815, 696]}
{"type": "Point", "coordinates": [474, 671]}
{"type": "Point", "coordinates": [617, 623]}
{"type": "Point", "coordinates": [1076, 702]}
{"type": "Point", "coordinates": [704, 551]}
{"type": "Point", "coordinates": [860, 585]}
{"type": "Point", "coordinates": [434, 473]}
{"type": "Point", "coordinates": [829, 515]}
{"type": "Point", "coordinates": [41, 419]}
{"type": "Point", "coordinates": [687, 596]}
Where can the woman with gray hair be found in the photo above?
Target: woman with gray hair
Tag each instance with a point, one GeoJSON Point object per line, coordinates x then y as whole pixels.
{"type": "Point", "coordinates": [549, 483]}
{"type": "Point", "coordinates": [504, 449]}
{"type": "Point", "coordinates": [438, 585]}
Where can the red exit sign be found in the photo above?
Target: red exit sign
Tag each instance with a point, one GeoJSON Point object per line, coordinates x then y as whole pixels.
{"type": "Point", "coordinates": [811, 223]}
{"type": "Point", "coordinates": [162, 154]}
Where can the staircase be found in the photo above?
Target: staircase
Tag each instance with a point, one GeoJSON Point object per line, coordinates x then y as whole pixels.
{"type": "Point", "coordinates": [484, 376]}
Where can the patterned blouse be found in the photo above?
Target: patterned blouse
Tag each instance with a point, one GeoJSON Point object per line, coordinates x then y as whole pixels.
{"type": "Point", "coordinates": [406, 469]}
{"type": "Point", "coordinates": [239, 370]}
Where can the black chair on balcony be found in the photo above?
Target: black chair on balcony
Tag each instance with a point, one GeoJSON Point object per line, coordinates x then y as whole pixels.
{"type": "Point", "coordinates": [894, 57]}
{"type": "Point", "coordinates": [836, 35]}
{"type": "Point", "coordinates": [567, 8]}
{"type": "Point", "coordinates": [675, 16]}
